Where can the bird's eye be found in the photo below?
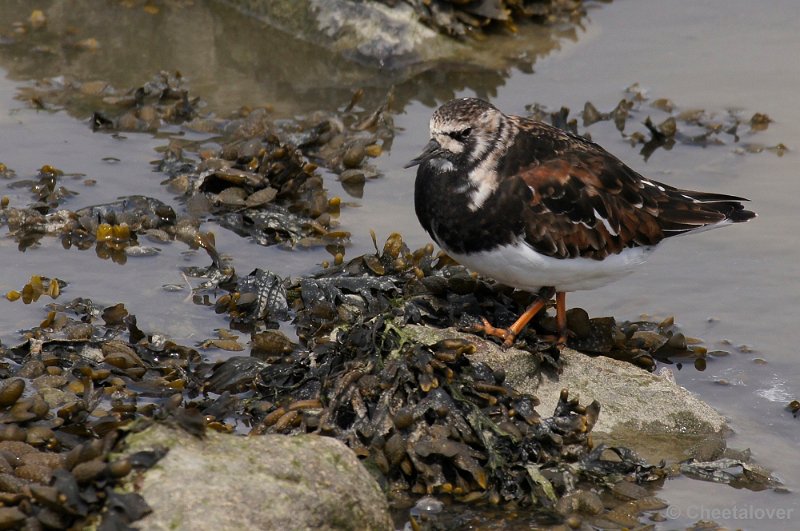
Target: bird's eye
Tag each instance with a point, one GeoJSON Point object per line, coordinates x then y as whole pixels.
{"type": "Point", "coordinates": [461, 135]}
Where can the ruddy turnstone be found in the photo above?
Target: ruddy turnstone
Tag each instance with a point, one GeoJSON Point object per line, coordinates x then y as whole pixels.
{"type": "Point", "coordinates": [540, 209]}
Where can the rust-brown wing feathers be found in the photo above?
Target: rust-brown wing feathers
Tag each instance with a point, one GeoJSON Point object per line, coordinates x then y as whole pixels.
{"type": "Point", "coordinates": [586, 202]}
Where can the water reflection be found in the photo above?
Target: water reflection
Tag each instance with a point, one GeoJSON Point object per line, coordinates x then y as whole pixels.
{"type": "Point", "coordinates": [232, 59]}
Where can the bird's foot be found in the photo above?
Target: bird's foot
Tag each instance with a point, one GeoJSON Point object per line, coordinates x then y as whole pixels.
{"type": "Point", "coordinates": [506, 334]}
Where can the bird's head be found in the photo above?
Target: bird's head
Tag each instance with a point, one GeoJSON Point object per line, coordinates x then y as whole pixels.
{"type": "Point", "coordinates": [462, 131]}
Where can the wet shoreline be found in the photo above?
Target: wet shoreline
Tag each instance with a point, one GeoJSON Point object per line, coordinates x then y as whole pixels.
{"type": "Point", "coordinates": [200, 257]}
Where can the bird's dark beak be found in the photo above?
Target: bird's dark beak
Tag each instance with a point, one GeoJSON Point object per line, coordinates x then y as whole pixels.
{"type": "Point", "coordinates": [431, 150]}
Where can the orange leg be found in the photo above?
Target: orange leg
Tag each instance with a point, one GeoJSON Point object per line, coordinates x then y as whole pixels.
{"type": "Point", "coordinates": [508, 335]}
{"type": "Point", "coordinates": [561, 317]}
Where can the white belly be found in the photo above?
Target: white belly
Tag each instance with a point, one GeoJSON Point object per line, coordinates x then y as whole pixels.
{"type": "Point", "coordinates": [519, 266]}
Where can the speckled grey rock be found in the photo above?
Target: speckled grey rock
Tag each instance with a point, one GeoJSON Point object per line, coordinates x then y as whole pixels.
{"type": "Point", "coordinates": [270, 482]}
{"type": "Point", "coordinates": [641, 410]}
{"type": "Point", "coordinates": [368, 32]}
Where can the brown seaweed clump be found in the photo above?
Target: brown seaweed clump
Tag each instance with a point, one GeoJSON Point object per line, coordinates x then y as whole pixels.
{"type": "Point", "coordinates": [263, 181]}
{"type": "Point", "coordinates": [427, 419]}
{"type": "Point", "coordinates": [161, 101]}
{"type": "Point", "coordinates": [256, 187]}
{"type": "Point", "coordinates": [114, 229]}
{"type": "Point", "coordinates": [433, 422]}
{"type": "Point", "coordinates": [69, 392]}
{"type": "Point", "coordinates": [37, 286]}
{"type": "Point", "coordinates": [671, 125]}
{"type": "Point", "coordinates": [422, 288]}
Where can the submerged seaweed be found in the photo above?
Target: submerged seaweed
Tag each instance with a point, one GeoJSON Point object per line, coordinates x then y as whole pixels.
{"type": "Point", "coordinates": [261, 183]}
{"type": "Point", "coordinates": [693, 127]}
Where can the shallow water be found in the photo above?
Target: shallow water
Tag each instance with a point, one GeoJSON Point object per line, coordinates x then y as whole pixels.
{"type": "Point", "coordinates": [736, 285]}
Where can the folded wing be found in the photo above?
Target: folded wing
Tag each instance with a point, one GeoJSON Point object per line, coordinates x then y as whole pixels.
{"type": "Point", "coordinates": [584, 202]}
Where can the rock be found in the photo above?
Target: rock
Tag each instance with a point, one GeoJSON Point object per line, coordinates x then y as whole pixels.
{"type": "Point", "coordinates": [393, 39]}
{"type": "Point", "coordinates": [641, 410]}
{"type": "Point", "coordinates": [367, 32]}
{"type": "Point", "coordinates": [225, 481]}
